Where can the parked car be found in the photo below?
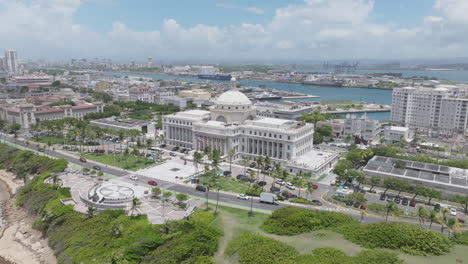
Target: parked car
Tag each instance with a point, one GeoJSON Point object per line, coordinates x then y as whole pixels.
{"type": "Point", "coordinates": [412, 203]}
{"type": "Point", "coordinates": [253, 164]}
{"type": "Point", "coordinates": [404, 201]}
{"type": "Point", "coordinates": [397, 200]}
{"type": "Point", "coordinates": [382, 197]}
{"type": "Point", "coordinates": [453, 211]}
{"type": "Point", "coordinates": [242, 196]}
{"type": "Point", "coordinates": [133, 177]}
{"type": "Point", "coordinates": [437, 207]}
{"type": "Point", "coordinates": [172, 154]}
{"type": "Point", "coordinates": [152, 183]}
{"type": "Point", "coordinates": [95, 167]}
{"type": "Point", "coordinates": [240, 176]}
{"type": "Point", "coordinates": [274, 189]}
{"type": "Point", "coordinates": [227, 173]}
{"type": "Point", "coordinates": [200, 188]}
{"type": "Point", "coordinates": [317, 202]}
{"type": "Point", "coordinates": [333, 183]}
{"type": "Point", "coordinates": [182, 150]}
{"type": "Point", "coordinates": [162, 145]}
{"type": "Point", "coordinates": [175, 149]}
{"type": "Point", "coordinates": [461, 220]}
{"type": "Point", "coordinates": [40, 149]}
{"type": "Point", "coordinates": [349, 203]}
{"type": "Point", "coordinates": [261, 183]}
{"type": "Point", "coordinates": [315, 186]}
{"type": "Point", "coordinates": [290, 186]}
{"type": "Point", "coordinates": [389, 198]}
{"type": "Point", "coordinates": [289, 195]}
{"type": "Point", "coordinates": [82, 159]}
{"type": "Point", "coordinates": [279, 181]}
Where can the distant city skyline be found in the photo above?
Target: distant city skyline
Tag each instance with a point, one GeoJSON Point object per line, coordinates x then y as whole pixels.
{"type": "Point", "coordinates": [241, 30]}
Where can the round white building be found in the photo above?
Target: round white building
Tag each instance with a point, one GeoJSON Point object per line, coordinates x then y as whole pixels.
{"type": "Point", "coordinates": [233, 107]}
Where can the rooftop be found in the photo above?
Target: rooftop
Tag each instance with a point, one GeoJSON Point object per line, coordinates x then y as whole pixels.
{"type": "Point", "coordinates": [314, 159]}
{"type": "Point", "coordinates": [233, 98]}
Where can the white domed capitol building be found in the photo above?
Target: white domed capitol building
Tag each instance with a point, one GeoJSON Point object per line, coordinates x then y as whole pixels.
{"type": "Point", "coordinates": [232, 124]}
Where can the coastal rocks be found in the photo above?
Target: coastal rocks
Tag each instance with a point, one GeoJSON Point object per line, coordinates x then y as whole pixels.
{"type": "Point", "coordinates": [19, 242]}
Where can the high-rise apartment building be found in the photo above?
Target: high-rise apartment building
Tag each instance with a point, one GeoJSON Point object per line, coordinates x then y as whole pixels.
{"type": "Point", "coordinates": [11, 61]}
{"type": "Point", "coordinates": [2, 64]}
{"type": "Point", "coordinates": [442, 111]}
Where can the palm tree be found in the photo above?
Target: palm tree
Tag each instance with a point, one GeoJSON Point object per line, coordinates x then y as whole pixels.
{"type": "Point", "coordinates": [363, 213]}
{"type": "Point", "coordinates": [299, 181]}
{"type": "Point", "coordinates": [15, 128]}
{"type": "Point", "coordinates": [260, 163]}
{"type": "Point", "coordinates": [432, 217]}
{"type": "Point", "coordinates": [215, 159]}
{"type": "Point", "coordinates": [391, 208]}
{"type": "Point", "coordinates": [422, 214]}
{"type": "Point", "coordinates": [244, 162]}
{"type": "Point", "coordinates": [452, 225]}
{"type": "Point", "coordinates": [267, 163]}
{"type": "Point", "coordinates": [3, 124]}
{"type": "Point", "coordinates": [374, 181]}
{"type": "Point", "coordinates": [91, 212]}
{"type": "Point", "coordinates": [156, 191]}
{"type": "Point", "coordinates": [231, 154]}
{"type": "Point", "coordinates": [283, 175]}
{"type": "Point", "coordinates": [443, 219]}
{"type": "Point", "coordinates": [197, 159]}
{"type": "Point", "coordinates": [135, 204]}
{"type": "Point", "coordinates": [309, 190]}
{"type": "Point", "coordinates": [166, 195]}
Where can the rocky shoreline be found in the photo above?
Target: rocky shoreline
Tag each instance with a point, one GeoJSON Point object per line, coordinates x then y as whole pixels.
{"type": "Point", "coordinates": [19, 242]}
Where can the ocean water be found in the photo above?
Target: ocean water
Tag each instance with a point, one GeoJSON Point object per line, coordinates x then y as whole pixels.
{"type": "Point", "coordinates": [328, 93]}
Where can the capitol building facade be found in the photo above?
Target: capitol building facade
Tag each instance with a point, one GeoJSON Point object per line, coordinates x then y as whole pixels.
{"type": "Point", "coordinates": [232, 124]}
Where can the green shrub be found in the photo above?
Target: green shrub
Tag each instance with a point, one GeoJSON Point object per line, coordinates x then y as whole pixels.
{"type": "Point", "coordinates": [301, 200]}
{"type": "Point", "coordinates": [460, 238]}
{"type": "Point", "coordinates": [256, 249]}
{"type": "Point", "coordinates": [377, 256]}
{"type": "Point", "coordinates": [292, 221]}
{"type": "Point", "coordinates": [409, 238]}
{"type": "Point", "coordinates": [377, 208]}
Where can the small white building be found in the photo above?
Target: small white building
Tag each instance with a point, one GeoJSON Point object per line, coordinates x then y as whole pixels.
{"type": "Point", "coordinates": [362, 127]}
{"type": "Point", "coordinates": [394, 134]}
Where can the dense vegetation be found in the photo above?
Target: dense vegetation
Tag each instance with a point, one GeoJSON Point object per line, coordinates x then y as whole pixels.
{"type": "Point", "coordinates": [110, 236]}
{"type": "Point", "coordinates": [256, 249]}
{"type": "Point", "coordinates": [292, 221]}
{"type": "Point", "coordinates": [460, 238]}
{"type": "Point", "coordinates": [66, 102]}
{"type": "Point", "coordinates": [409, 238]}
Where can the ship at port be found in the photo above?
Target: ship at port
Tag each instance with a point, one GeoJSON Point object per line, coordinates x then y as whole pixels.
{"type": "Point", "coordinates": [326, 80]}
{"type": "Point", "coordinates": [219, 77]}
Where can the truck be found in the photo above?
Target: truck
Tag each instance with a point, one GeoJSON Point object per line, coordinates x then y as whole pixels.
{"type": "Point", "coordinates": [269, 198]}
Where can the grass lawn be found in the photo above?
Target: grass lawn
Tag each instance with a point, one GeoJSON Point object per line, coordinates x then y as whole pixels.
{"type": "Point", "coordinates": [228, 184]}
{"type": "Point", "coordinates": [54, 140]}
{"type": "Point", "coordinates": [129, 162]}
{"type": "Point", "coordinates": [235, 221]}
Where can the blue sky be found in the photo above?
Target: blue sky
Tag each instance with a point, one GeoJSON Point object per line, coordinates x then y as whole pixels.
{"type": "Point", "coordinates": [247, 30]}
{"type": "Point", "coordinates": [149, 14]}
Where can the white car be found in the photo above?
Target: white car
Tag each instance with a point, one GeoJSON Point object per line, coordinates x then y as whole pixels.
{"type": "Point", "coordinates": [290, 186]}
{"type": "Point", "coordinates": [133, 177]}
{"type": "Point", "coordinates": [453, 211]}
{"type": "Point", "coordinates": [279, 181]}
{"type": "Point", "coordinates": [242, 196]}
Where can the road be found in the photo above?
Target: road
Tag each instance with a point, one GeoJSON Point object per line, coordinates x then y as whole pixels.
{"type": "Point", "coordinates": [227, 199]}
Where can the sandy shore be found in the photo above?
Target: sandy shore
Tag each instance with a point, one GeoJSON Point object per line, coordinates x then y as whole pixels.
{"type": "Point", "coordinates": [19, 243]}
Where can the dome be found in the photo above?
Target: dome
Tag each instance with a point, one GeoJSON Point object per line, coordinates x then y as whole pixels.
{"type": "Point", "coordinates": [233, 98]}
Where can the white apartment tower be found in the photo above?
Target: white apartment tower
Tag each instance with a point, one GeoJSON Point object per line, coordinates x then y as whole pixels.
{"type": "Point", "coordinates": [442, 111]}
{"type": "Point", "coordinates": [11, 61]}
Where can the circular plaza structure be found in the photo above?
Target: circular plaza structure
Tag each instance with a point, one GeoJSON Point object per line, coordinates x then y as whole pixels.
{"type": "Point", "coordinates": [110, 195]}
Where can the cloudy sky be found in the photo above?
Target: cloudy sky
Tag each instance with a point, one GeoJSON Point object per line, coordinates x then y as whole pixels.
{"type": "Point", "coordinates": [235, 29]}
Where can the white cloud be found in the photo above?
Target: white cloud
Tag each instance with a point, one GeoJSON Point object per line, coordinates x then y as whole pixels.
{"type": "Point", "coordinates": [315, 29]}
{"type": "Point", "coordinates": [251, 9]}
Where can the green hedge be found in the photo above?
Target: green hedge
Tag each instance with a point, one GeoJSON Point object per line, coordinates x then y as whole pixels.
{"type": "Point", "coordinates": [460, 238]}
{"type": "Point", "coordinates": [409, 238]}
{"type": "Point", "coordinates": [292, 221]}
{"type": "Point", "coordinates": [256, 249]}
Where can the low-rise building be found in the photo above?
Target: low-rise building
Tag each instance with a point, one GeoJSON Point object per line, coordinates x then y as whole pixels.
{"type": "Point", "coordinates": [145, 127]}
{"type": "Point", "coordinates": [195, 94]}
{"type": "Point", "coordinates": [393, 134]}
{"type": "Point", "coordinates": [28, 114]}
{"type": "Point", "coordinates": [283, 111]}
{"type": "Point", "coordinates": [449, 180]}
